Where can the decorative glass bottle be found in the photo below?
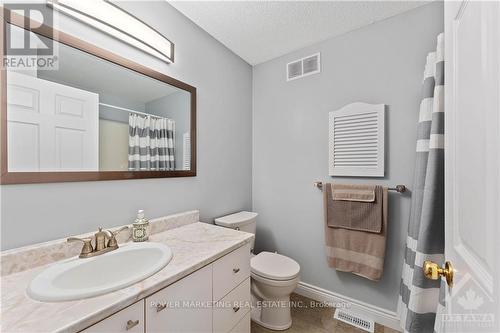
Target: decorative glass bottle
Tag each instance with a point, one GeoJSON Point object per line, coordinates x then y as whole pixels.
{"type": "Point", "coordinates": [140, 228]}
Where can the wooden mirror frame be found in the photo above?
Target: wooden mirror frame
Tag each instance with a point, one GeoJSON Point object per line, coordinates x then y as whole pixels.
{"type": "Point", "coordinates": [7, 177]}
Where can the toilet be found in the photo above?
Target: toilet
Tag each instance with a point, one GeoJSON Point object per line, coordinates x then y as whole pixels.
{"type": "Point", "coordinates": [273, 277]}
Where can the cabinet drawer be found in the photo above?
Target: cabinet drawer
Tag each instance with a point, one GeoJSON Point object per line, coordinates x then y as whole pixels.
{"type": "Point", "coordinates": [183, 307]}
{"type": "Point", "coordinates": [232, 308]}
{"type": "Point", "coordinates": [128, 320]}
{"type": "Point", "coordinates": [244, 326]}
{"type": "Point", "coordinates": [230, 270]}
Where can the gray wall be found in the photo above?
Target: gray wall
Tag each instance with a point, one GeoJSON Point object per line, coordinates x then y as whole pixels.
{"type": "Point", "coordinates": [35, 213]}
{"type": "Point", "coordinates": [380, 63]}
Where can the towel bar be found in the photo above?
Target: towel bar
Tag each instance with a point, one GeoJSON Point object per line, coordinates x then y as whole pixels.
{"type": "Point", "coordinates": [398, 188]}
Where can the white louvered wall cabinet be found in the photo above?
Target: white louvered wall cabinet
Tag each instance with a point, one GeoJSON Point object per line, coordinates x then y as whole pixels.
{"type": "Point", "coordinates": [356, 140]}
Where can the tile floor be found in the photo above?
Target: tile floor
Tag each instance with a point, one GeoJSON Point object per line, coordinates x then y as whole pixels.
{"type": "Point", "coordinates": [316, 319]}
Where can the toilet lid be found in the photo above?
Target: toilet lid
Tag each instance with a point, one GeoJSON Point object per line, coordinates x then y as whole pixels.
{"type": "Point", "coordinates": [274, 266]}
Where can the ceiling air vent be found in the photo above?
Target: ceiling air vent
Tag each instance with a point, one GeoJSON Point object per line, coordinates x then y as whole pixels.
{"type": "Point", "coordinates": [294, 70]}
{"type": "Point", "coordinates": [303, 67]}
{"type": "Point", "coordinates": [311, 64]}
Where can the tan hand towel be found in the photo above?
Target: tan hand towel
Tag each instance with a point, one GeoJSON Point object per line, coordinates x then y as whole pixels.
{"type": "Point", "coordinates": [355, 251]}
{"type": "Point", "coordinates": [356, 207]}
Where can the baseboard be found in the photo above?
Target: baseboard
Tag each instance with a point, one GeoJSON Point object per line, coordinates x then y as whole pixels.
{"type": "Point", "coordinates": [379, 315]}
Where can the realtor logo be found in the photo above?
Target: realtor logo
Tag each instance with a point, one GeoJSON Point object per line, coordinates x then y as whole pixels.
{"type": "Point", "coordinates": [469, 308]}
{"type": "Point", "coordinates": [29, 44]}
{"type": "Point", "coordinates": [471, 300]}
{"type": "Point", "coordinates": [29, 37]}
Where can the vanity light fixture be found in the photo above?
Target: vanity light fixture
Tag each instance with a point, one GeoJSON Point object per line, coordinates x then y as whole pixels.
{"type": "Point", "coordinates": [114, 21]}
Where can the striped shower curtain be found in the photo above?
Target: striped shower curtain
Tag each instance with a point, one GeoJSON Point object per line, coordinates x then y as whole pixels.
{"type": "Point", "coordinates": [151, 143]}
{"type": "Point", "coordinates": [418, 296]}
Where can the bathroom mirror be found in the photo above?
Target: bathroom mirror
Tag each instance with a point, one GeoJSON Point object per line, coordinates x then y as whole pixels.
{"type": "Point", "coordinates": [93, 116]}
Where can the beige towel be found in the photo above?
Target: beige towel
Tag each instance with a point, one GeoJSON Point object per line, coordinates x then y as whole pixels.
{"type": "Point", "coordinates": [356, 207]}
{"type": "Point", "coordinates": [355, 251]}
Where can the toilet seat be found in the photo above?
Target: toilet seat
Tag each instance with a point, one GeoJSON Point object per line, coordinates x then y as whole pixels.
{"type": "Point", "coordinates": [274, 283]}
{"type": "Point", "coordinates": [273, 266]}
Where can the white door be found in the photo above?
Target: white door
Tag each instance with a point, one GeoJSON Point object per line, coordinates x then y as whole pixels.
{"type": "Point", "coordinates": [472, 166]}
{"type": "Point", "coordinates": [51, 127]}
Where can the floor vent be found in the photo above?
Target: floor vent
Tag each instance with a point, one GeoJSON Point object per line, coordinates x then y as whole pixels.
{"type": "Point", "coordinates": [355, 320]}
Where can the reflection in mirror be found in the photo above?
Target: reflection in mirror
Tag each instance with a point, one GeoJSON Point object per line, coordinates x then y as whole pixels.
{"type": "Point", "coordinates": [90, 114]}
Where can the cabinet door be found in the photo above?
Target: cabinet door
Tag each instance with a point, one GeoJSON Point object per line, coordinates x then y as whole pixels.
{"type": "Point", "coordinates": [184, 306]}
{"type": "Point", "coordinates": [128, 320]}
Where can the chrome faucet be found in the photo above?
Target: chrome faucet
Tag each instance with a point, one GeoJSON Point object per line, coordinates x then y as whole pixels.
{"type": "Point", "coordinates": [104, 241]}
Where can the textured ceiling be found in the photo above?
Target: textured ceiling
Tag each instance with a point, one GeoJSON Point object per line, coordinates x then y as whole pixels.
{"type": "Point", "coordinates": [258, 31]}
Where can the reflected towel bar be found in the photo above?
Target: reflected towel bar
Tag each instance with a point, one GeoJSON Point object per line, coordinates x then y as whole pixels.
{"type": "Point", "coordinates": [398, 188]}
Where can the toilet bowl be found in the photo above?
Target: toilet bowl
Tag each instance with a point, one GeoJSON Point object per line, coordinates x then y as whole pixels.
{"type": "Point", "coordinates": [273, 277]}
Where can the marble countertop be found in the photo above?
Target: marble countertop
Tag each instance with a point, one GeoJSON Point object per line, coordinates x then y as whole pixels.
{"type": "Point", "coordinates": [194, 246]}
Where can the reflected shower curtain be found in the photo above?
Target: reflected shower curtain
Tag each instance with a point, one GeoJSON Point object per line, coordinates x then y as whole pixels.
{"type": "Point", "coordinates": [151, 143]}
{"type": "Point", "coordinates": [418, 296]}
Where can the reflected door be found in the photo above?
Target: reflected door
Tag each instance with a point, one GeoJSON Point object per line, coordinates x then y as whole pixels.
{"type": "Point", "coordinates": [51, 127]}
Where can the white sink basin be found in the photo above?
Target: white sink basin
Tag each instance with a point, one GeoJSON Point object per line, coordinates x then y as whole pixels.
{"type": "Point", "coordinates": [75, 278]}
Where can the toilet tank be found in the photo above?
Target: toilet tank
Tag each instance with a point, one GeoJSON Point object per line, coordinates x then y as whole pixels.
{"type": "Point", "coordinates": [244, 221]}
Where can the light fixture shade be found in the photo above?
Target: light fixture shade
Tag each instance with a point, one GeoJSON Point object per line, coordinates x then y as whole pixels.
{"type": "Point", "coordinates": [112, 20]}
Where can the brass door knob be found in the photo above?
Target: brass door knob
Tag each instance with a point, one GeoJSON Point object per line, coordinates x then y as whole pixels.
{"type": "Point", "coordinates": [433, 271]}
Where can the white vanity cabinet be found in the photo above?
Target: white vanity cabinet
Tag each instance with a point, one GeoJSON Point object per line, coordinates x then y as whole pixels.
{"type": "Point", "coordinates": [215, 298]}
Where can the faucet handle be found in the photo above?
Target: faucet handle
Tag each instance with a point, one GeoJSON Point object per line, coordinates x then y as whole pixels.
{"type": "Point", "coordinates": [112, 236]}
{"type": "Point", "coordinates": [87, 245]}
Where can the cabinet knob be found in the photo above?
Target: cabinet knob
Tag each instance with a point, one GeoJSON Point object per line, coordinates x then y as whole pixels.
{"type": "Point", "coordinates": [236, 270]}
{"type": "Point", "coordinates": [236, 309]}
{"type": "Point", "coordinates": [132, 323]}
{"type": "Point", "coordinates": [160, 307]}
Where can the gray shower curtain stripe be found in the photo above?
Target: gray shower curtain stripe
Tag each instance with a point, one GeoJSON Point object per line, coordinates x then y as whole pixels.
{"type": "Point", "coordinates": [151, 144]}
{"type": "Point", "coordinates": [418, 296]}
